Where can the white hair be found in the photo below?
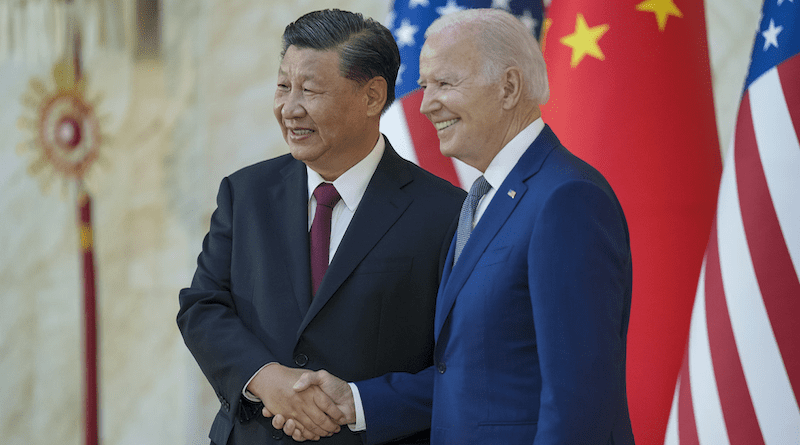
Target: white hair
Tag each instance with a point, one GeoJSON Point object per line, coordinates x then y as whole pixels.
{"type": "Point", "coordinates": [504, 42]}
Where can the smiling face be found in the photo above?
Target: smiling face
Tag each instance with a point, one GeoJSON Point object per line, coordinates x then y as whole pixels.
{"type": "Point", "coordinates": [326, 119]}
{"type": "Point", "coordinates": [464, 106]}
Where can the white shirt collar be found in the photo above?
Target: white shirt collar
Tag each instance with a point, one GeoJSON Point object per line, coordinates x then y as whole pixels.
{"type": "Point", "coordinates": [507, 158]}
{"type": "Point", "coordinates": [352, 184]}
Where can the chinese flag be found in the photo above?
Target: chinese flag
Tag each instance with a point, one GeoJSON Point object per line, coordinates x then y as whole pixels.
{"type": "Point", "coordinates": [631, 95]}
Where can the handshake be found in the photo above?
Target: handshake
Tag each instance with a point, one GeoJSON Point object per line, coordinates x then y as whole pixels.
{"type": "Point", "coordinates": [306, 405]}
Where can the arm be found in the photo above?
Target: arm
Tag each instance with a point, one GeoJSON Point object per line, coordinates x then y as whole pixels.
{"type": "Point", "coordinates": [580, 283]}
{"type": "Point", "coordinates": [227, 352]}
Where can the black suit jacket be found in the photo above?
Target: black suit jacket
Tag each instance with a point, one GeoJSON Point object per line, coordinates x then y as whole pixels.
{"type": "Point", "coordinates": [250, 301]}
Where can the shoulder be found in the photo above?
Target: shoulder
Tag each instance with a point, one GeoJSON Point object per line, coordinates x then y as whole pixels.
{"type": "Point", "coordinates": [427, 181]}
{"type": "Point", "coordinates": [417, 181]}
{"type": "Point", "coordinates": [562, 167]}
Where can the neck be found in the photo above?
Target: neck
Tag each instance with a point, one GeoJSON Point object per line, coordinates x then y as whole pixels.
{"type": "Point", "coordinates": [517, 121]}
{"type": "Point", "coordinates": [330, 170]}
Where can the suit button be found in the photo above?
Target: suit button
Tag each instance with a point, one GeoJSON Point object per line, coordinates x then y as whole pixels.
{"type": "Point", "coordinates": [277, 434]}
{"type": "Point", "coordinates": [301, 360]}
{"type": "Point", "coordinates": [441, 367]}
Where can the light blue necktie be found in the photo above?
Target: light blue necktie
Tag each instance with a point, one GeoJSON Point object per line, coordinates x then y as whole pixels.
{"type": "Point", "coordinates": [476, 192]}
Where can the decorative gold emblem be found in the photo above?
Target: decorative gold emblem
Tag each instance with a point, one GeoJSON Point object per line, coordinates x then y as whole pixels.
{"type": "Point", "coordinates": [66, 129]}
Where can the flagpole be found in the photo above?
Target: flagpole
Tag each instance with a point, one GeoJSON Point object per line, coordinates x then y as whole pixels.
{"type": "Point", "coordinates": [89, 315]}
{"type": "Point", "coordinates": [91, 398]}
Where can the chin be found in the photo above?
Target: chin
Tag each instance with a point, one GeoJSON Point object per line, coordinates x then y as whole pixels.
{"type": "Point", "coordinates": [300, 153]}
{"type": "Point", "coordinates": [447, 149]}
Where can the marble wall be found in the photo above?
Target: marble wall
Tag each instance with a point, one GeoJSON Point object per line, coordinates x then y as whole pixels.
{"type": "Point", "coordinates": [174, 126]}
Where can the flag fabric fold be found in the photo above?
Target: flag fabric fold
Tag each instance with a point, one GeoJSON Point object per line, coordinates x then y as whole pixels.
{"type": "Point", "coordinates": [410, 132]}
{"type": "Point", "coordinates": [631, 94]}
{"type": "Point", "coordinates": [740, 377]}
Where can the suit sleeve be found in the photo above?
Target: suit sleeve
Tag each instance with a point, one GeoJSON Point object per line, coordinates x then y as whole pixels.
{"type": "Point", "coordinates": [579, 279]}
{"type": "Point", "coordinates": [397, 404]}
{"type": "Point", "coordinates": [227, 352]}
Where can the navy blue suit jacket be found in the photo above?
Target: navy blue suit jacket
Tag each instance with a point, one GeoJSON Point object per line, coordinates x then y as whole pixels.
{"type": "Point", "coordinates": [531, 322]}
{"type": "Point", "coordinates": [250, 301]}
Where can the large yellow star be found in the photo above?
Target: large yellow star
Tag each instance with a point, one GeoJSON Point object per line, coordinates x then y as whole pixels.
{"type": "Point", "coordinates": [662, 9]}
{"type": "Point", "coordinates": [584, 41]}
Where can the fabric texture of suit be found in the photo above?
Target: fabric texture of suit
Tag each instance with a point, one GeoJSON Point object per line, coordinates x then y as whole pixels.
{"type": "Point", "coordinates": [531, 322]}
{"type": "Point", "coordinates": [250, 301]}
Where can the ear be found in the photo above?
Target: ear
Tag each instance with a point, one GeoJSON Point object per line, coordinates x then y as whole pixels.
{"type": "Point", "coordinates": [376, 90]}
{"type": "Point", "coordinates": [512, 87]}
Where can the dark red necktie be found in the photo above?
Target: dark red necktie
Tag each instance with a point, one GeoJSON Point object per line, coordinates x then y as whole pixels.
{"type": "Point", "coordinates": [320, 237]}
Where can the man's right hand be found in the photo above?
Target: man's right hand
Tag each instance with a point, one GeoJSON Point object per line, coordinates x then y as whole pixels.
{"type": "Point", "coordinates": [338, 390]}
{"type": "Point", "coordinates": [312, 408]}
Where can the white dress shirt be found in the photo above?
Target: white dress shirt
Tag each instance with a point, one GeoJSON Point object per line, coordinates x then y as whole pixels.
{"type": "Point", "coordinates": [351, 186]}
{"type": "Point", "coordinates": [504, 162]}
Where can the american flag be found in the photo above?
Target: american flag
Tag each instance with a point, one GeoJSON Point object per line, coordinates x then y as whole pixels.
{"type": "Point", "coordinates": [740, 377]}
{"type": "Point", "coordinates": [411, 134]}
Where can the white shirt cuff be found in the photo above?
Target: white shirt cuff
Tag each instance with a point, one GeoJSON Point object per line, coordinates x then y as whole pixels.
{"type": "Point", "coordinates": [249, 395]}
{"type": "Point", "coordinates": [361, 422]}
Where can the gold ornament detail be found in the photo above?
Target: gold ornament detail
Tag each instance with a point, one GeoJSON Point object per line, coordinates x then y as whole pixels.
{"type": "Point", "coordinates": [66, 136]}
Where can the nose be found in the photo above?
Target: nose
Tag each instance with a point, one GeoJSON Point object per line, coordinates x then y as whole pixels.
{"type": "Point", "coordinates": [291, 106]}
{"type": "Point", "coordinates": [429, 101]}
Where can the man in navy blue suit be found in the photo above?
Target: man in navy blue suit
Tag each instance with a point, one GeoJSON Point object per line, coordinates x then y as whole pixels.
{"type": "Point", "coordinates": [269, 299]}
{"type": "Point", "coordinates": [532, 313]}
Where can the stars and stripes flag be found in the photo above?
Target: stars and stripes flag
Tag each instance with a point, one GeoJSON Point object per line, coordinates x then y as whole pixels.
{"type": "Point", "coordinates": [740, 379]}
{"type": "Point", "coordinates": [630, 93]}
{"type": "Point", "coordinates": [410, 132]}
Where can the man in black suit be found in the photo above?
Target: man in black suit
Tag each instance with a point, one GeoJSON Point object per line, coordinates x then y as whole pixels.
{"type": "Point", "coordinates": [263, 305]}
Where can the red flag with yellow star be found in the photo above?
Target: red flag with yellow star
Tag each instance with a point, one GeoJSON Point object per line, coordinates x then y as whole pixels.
{"type": "Point", "coordinates": [631, 95]}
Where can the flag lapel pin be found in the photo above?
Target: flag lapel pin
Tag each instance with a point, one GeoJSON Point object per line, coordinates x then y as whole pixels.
{"type": "Point", "coordinates": [512, 194]}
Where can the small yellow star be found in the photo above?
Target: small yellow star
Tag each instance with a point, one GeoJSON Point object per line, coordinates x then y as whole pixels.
{"type": "Point", "coordinates": [662, 9]}
{"type": "Point", "coordinates": [584, 41]}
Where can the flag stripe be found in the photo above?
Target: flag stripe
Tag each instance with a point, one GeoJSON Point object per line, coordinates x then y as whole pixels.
{"type": "Point", "coordinates": [737, 408]}
{"type": "Point", "coordinates": [774, 269]}
{"type": "Point", "coordinates": [671, 436]}
{"type": "Point", "coordinates": [779, 150]}
{"type": "Point", "coordinates": [706, 407]}
{"type": "Point", "coordinates": [789, 72]}
{"type": "Point", "coordinates": [687, 430]}
{"type": "Point", "coordinates": [426, 142]}
{"type": "Point", "coordinates": [393, 125]}
{"type": "Point", "coordinates": [761, 361]}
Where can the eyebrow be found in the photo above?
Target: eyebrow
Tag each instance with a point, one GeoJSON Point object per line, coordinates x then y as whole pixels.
{"type": "Point", "coordinates": [451, 79]}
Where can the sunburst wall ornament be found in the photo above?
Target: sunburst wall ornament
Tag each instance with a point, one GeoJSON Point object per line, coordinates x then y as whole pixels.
{"type": "Point", "coordinates": [64, 125]}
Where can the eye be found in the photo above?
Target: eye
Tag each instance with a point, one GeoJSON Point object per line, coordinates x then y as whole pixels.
{"type": "Point", "coordinates": [283, 87]}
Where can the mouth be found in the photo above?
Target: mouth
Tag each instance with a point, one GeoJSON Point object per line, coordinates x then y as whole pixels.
{"type": "Point", "coordinates": [442, 125]}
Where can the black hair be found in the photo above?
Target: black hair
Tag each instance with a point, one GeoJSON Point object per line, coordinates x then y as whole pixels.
{"type": "Point", "coordinates": [366, 48]}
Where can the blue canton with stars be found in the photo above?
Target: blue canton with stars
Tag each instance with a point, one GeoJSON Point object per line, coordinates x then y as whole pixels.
{"type": "Point", "coordinates": [410, 18]}
{"type": "Point", "coordinates": [778, 37]}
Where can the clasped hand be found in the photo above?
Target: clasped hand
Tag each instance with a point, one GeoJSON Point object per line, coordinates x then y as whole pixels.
{"type": "Point", "coordinates": [327, 402]}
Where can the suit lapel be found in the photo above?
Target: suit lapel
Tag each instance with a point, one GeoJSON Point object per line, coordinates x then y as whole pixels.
{"type": "Point", "coordinates": [291, 195]}
{"type": "Point", "coordinates": [382, 205]}
{"type": "Point", "coordinates": [499, 210]}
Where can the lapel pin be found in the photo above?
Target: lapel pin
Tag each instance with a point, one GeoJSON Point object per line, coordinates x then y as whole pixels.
{"type": "Point", "coordinates": [512, 194]}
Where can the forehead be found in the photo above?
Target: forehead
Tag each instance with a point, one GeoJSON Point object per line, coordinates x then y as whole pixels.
{"type": "Point", "coordinates": [449, 52]}
{"type": "Point", "coordinates": [310, 63]}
